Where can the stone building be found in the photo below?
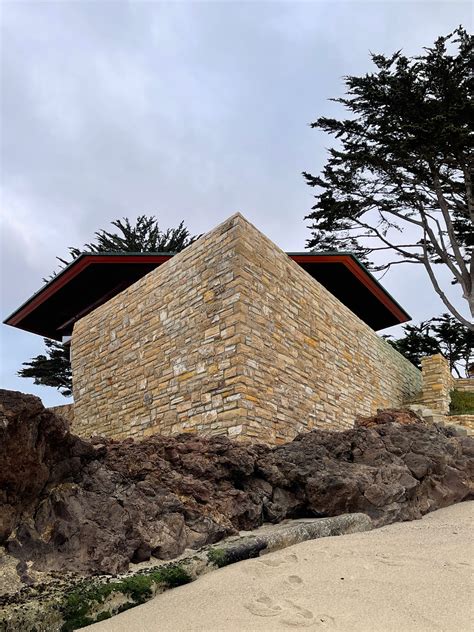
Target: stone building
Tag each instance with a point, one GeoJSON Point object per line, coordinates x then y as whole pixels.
{"type": "Point", "coordinates": [231, 335]}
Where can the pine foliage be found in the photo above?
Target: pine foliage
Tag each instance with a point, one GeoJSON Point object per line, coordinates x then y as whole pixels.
{"type": "Point", "coordinates": [54, 368]}
{"type": "Point", "coordinates": [399, 180]}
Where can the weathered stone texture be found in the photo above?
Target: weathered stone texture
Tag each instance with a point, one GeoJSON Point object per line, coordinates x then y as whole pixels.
{"type": "Point", "coordinates": [464, 384]}
{"type": "Point", "coordinates": [466, 421]}
{"type": "Point", "coordinates": [230, 337]}
{"type": "Point", "coordinates": [437, 383]}
{"type": "Point", "coordinates": [94, 506]}
{"type": "Point", "coordinates": [306, 356]}
{"type": "Point", "coordinates": [162, 354]}
{"type": "Point", "coordinates": [66, 411]}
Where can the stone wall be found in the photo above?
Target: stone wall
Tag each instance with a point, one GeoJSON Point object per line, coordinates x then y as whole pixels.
{"type": "Point", "coordinates": [466, 421]}
{"type": "Point", "coordinates": [230, 336]}
{"type": "Point", "coordinates": [162, 354]}
{"type": "Point", "coordinates": [438, 382]}
{"type": "Point", "coordinates": [464, 384]}
{"type": "Point", "coordinates": [308, 361]}
{"type": "Point", "coordinates": [66, 411]}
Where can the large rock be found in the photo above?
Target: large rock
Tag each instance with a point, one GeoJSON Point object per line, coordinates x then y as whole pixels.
{"type": "Point", "coordinates": [36, 450]}
{"type": "Point", "coordinates": [93, 507]}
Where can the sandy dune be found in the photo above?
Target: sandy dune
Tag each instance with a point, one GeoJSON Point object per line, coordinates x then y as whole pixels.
{"type": "Point", "coordinates": [407, 576]}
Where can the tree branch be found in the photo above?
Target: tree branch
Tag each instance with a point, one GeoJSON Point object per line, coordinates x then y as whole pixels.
{"type": "Point", "coordinates": [464, 274]}
{"type": "Point", "coordinates": [440, 293]}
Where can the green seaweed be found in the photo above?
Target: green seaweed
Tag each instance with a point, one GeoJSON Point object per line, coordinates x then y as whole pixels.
{"type": "Point", "coordinates": [103, 616]}
{"type": "Point", "coordinates": [171, 576]}
{"type": "Point", "coordinates": [218, 557]}
{"type": "Point", "coordinates": [125, 606]}
{"type": "Point", "coordinates": [78, 604]}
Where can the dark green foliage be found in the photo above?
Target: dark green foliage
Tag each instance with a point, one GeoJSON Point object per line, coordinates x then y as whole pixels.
{"type": "Point", "coordinates": [444, 335]}
{"type": "Point", "coordinates": [399, 179]}
{"type": "Point", "coordinates": [78, 605]}
{"type": "Point", "coordinates": [218, 557]}
{"type": "Point", "coordinates": [103, 616]}
{"type": "Point", "coordinates": [456, 343]}
{"type": "Point", "coordinates": [462, 403]}
{"type": "Point", "coordinates": [52, 369]}
{"type": "Point", "coordinates": [416, 343]}
{"type": "Point", "coordinates": [144, 236]}
{"type": "Point", "coordinates": [76, 623]}
{"type": "Point", "coordinates": [171, 576]}
{"type": "Point", "coordinates": [138, 587]}
{"type": "Point", "coordinates": [74, 607]}
{"type": "Point", "coordinates": [74, 611]}
{"type": "Point", "coordinates": [125, 606]}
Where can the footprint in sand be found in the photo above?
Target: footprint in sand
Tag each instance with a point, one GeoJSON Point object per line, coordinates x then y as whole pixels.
{"type": "Point", "coordinates": [279, 561]}
{"type": "Point", "coordinates": [289, 613]}
{"type": "Point", "coordinates": [274, 563]}
{"type": "Point", "coordinates": [296, 616]}
{"type": "Point", "coordinates": [294, 580]}
{"type": "Point", "coordinates": [263, 606]}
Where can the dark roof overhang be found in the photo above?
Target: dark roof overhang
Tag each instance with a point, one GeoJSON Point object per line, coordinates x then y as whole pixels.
{"type": "Point", "coordinates": [92, 279]}
{"type": "Point", "coordinates": [349, 280]}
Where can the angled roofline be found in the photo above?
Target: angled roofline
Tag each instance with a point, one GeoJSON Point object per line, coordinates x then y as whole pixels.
{"type": "Point", "coordinates": [348, 259]}
{"type": "Point", "coordinates": [361, 266]}
{"type": "Point", "coordinates": [72, 269]}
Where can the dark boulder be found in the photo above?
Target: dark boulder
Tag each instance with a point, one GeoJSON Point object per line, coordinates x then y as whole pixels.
{"type": "Point", "coordinates": [93, 507]}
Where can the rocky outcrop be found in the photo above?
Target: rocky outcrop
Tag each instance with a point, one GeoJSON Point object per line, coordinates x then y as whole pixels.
{"type": "Point", "coordinates": [93, 507]}
{"type": "Point", "coordinates": [401, 416]}
{"type": "Point", "coordinates": [60, 602]}
{"type": "Point", "coordinates": [36, 450]}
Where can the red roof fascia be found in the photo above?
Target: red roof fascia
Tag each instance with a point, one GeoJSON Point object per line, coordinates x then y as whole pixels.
{"type": "Point", "coordinates": [88, 259]}
{"type": "Point", "coordinates": [67, 275]}
{"type": "Point", "coordinates": [359, 273]}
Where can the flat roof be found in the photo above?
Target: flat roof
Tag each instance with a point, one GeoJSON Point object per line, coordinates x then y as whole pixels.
{"type": "Point", "coordinates": [94, 278]}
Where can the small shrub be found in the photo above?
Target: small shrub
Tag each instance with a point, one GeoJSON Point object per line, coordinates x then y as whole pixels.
{"type": "Point", "coordinates": [74, 611]}
{"type": "Point", "coordinates": [138, 587]}
{"type": "Point", "coordinates": [77, 606]}
{"type": "Point", "coordinates": [171, 576]}
{"type": "Point", "coordinates": [462, 403]}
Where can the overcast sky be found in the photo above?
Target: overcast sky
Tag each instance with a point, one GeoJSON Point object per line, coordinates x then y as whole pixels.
{"type": "Point", "coordinates": [186, 110]}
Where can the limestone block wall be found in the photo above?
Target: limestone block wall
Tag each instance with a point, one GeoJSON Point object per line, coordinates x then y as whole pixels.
{"type": "Point", "coordinates": [308, 361]}
{"type": "Point", "coordinates": [66, 410]}
{"type": "Point", "coordinates": [162, 354]}
{"type": "Point", "coordinates": [437, 383]}
{"type": "Point", "coordinates": [230, 336]}
{"type": "Point", "coordinates": [466, 421]}
{"type": "Point", "coordinates": [464, 384]}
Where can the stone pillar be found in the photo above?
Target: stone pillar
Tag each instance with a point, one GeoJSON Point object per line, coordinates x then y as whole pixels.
{"type": "Point", "coordinates": [437, 383]}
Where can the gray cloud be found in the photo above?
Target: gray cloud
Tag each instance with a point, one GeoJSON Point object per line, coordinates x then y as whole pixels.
{"type": "Point", "coordinates": [187, 110]}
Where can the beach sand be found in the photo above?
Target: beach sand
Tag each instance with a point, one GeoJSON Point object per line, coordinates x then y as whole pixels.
{"type": "Point", "coordinates": [406, 576]}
